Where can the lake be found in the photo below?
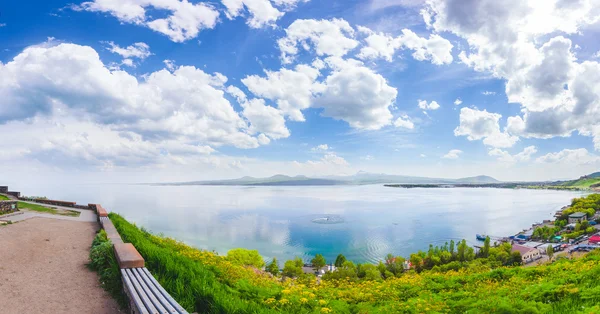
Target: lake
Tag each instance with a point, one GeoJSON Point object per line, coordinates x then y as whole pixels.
{"type": "Point", "coordinates": [362, 222]}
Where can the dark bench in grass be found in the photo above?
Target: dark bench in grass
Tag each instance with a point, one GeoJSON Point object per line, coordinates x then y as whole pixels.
{"type": "Point", "coordinates": [145, 294]}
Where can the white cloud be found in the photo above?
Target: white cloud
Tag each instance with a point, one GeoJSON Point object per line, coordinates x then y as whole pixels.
{"type": "Point", "coordinates": [320, 148]}
{"type": "Point", "coordinates": [170, 64]}
{"type": "Point", "coordinates": [265, 119]}
{"type": "Point", "coordinates": [481, 124]}
{"type": "Point", "coordinates": [330, 163]}
{"type": "Point", "coordinates": [183, 21]}
{"type": "Point", "coordinates": [571, 157]}
{"type": "Point", "coordinates": [505, 156]}
{"type": "Point", "coordinates": [526, 44]}
{"type": "Point", "coordinates": [357, 95]}
{"type": "Point", "coordinates": [488, 93]}
{"type": "Point", "coordinates": [137, 50]}
{"type": "Point", "coordinates": [457, 102]}
{"type": "Point", "coordinates": [404, 122]}
{"type": "Point", "coordinates": [379, 45]}
{"type": "Point", "coordinates": [596, 55]}
{"type": "Point", "coordinates": [367, 157]}
{"type": "Point", "coordinates": [428, 106]}
{"type": "Point", "coordinates": [292, 90]}
{"type": "Point", "coordinates": [186, 105]}
{"type": "Point", "coordinates": [329, 37]}
{"type": "Point", "coordinates": [262, 12]}
{"type": "Point", "coordinates": [453, 154]}
{"type": "Point", "coordinates": [2, 24]}
{"type": "Point", "coordinates": [423, 156]}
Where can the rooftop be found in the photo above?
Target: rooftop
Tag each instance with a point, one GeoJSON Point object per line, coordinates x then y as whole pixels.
{"type": "Point", "coordinates": [577, 215]}
{"type": "Point", "coordinates": [521, 249]}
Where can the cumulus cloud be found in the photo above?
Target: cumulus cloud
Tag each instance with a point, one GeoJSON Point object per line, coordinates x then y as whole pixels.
{"type": "Point", "coordinates": [262, 12]}
{"type": "Point", "coordinates": [436, 49]}
{"type": "Point", "coordinates": [481, 124]}
{"type": "Point", "coordinates": [292, 90]}
{"type": "Point", "coordinates": [505, 156]}
{"type": "Point", "coordinates": [488, 93]}
{"type": "Point", "coordinates": [356, 94]}
{"type": "Point", "coordinates": [328, 37]}
{"type": "Point", "coordinates": [428, 106]}
{"type": "Point", "coordinates": [183, 20]}
{"type": "Point", "coordinates": [579, 156]}
{"type": "Point", "coordinates": [320, 148]}
{"type": "Point", "coordinates": [139, 51]}
{"type": "Point", "coordinates": [404, 122]}
{"type": "Point", "coordinates": [526, 43]}
{"type": "Point", "coordinates": [457, 102]}
{"type": "Point", "coordinates": [186, 105]}
{"type": "Point", "coordinates": [453, 154]}
{"type": "Point", "coordinates": [265, 119]}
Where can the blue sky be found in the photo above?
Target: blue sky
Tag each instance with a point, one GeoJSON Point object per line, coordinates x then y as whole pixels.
{"type": "Point", "coordinates": [155, 90]}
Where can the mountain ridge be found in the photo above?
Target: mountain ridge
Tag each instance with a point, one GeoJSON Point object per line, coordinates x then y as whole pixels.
{"type": "Point", "coordinates": [360, 178]}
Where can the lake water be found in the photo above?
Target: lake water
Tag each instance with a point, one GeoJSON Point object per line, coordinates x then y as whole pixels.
{"type": "Point", "coordinates": [362, 222]}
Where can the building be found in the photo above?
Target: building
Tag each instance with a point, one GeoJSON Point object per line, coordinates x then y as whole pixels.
{"type": "Point", "coordinates": [577, 217]}
{"type": "Point", "coordinates": [308, 269]}
{"type": "Point", "coordinates": [528, 254]}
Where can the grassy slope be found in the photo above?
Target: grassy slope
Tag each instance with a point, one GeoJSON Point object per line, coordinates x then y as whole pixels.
{"type": "Point", "coordinates": [43, 209]}
{"type": "Point", "coordinates": [582, 183]}
{"type": "Point", "coordinates": [206, 283]}
{"type": "Point", "coordinates": [4, 198]}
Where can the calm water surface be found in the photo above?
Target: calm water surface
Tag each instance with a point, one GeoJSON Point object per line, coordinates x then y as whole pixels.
{"type": "Point", "coordinates": [362, 222]}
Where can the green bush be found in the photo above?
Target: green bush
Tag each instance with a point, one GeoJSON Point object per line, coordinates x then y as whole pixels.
{"type": "Point", "coordinates": [103, 261]}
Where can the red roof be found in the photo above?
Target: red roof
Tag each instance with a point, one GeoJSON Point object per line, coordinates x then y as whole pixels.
{"type": "Point", "coordinates": [595, 238]}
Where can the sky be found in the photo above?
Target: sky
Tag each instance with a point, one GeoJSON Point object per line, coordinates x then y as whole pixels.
{"type": "Point", "coordinates": [175, 90]}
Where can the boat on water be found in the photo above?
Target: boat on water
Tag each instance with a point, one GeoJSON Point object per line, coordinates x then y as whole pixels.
{"type": "Point", "coordinates": [480, 237]}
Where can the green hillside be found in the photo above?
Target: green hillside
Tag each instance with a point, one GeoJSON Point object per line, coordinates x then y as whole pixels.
{"type": "Point", "coordinates": [584, 182]}
{"type": "Point", "coordinates": [205, 282]}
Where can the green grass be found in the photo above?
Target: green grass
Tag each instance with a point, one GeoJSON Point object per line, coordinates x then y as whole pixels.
{"type": "Point", "coordinates": [44, 209]}
{"type": "Point", "coordinates": [583, 183]}
{"type": "Point", "coordinates": [566, 286]}
{"type": "Point", "coordinates": [4, 198]}
{"type": "Point", "coordinates": [103, 261]}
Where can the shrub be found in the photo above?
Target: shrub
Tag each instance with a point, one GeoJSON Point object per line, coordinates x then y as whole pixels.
{"type": "Point", "coordinates": [103, 261]}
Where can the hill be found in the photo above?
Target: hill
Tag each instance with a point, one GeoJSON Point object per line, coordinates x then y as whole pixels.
{"type": "Point", "coordinates": [587, 181]}
{"type": "Point", "coordinates": [359, 178]}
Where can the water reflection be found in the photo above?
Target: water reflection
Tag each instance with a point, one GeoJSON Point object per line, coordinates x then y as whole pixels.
{"type": "Point", "coordinates": [279, 221]}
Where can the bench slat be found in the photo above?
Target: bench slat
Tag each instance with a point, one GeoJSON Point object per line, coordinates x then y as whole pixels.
{"type": "Point", "coordinates": [165, 294]}
{"type": "Point", "coordinates": [146, 301]}
{"type": "Point", "coordinates": [132, 293]}
{"type": "Point", "coordinates": [149, 283]}
{"type": "Point", "coordinates": [149, 292]}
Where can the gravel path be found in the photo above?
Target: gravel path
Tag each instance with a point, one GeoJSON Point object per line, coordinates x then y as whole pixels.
{"type": "Point", "coordinates": [43, 268]}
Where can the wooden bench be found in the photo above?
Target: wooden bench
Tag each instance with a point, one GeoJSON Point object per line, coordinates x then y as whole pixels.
{"type": "Point", "coordinates": [146, 295]}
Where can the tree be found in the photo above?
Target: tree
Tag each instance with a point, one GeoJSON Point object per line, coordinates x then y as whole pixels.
{"type": "Point", "coordinates": [318, 262]}
{"type": "Point", "coordinates": [293, 268]}
{"type": "Point", "coordinates": [339, 260]}
{"type": "Point", "coordinates": [273, 267]}
{"type": "Point", "coordinates": [246, 257]}
{"type": "Point", "coordinates": [452, 247]}
{"type": "Point", "coordinates": [485, 251]}
{"type": "Point", "coordinates": [417, 262]}
{"type": "Point", "coordinates": [550, 252]}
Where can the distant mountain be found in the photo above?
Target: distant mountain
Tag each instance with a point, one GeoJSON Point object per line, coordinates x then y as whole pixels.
{"type": "Point", "coordinates": [478, 180]}
{"type": "Point", "coordinates": [360, 178]}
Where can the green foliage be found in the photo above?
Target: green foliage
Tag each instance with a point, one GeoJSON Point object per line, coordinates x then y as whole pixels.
{"type": "Point", "coordinates": [318, 262]}
{"type": "Point", "coordinates": [339, 260]}
{"type": "Point", "coordinates": [293, 268]}
{"type": "Point", "coordinates": [246, 258]}
{"type": "Point", "coordinates": [473, 285]}
{"type": "Point", "coordinates": [545, 232]}
{"type": "Point", "coordinates": [103, 261]}
{"type": "Point", "coordinates": [4, 198]}
{"type": "Point", "coordinates": [273, 267]}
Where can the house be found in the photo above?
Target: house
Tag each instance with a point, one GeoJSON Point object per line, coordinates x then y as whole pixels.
{"type": "Point", "coordinates": [528, 254]}
{"type": "Point", "coordinates": [308, 269]}
{"type": "Point", "coordinates": [577, 217]}
{"type": "Point", "coordinates": [595, 239]}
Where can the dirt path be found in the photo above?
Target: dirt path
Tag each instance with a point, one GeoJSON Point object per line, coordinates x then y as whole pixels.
{"type": "Point", "coordinates": [43, 268]}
